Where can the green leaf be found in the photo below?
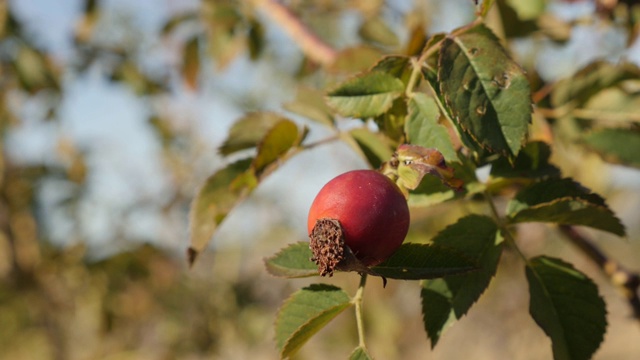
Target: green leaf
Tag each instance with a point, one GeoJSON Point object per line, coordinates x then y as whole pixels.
{"type": "Point", "coordinates": [248, 131]}
{"type": "Point", "coordinates": [566, 305]}
{"type": "Point", "coordinates": [532, 162]}
{"type": "Point", "coordinates": [374, 146]}
{"type": "Point", "coordinates": [563, 201]}
{"type": "Point", "coordinates": [528, 9]}
{"type": "Point", "coordinates": [398, 66]}
{"type": "Point", "coordinates": [305, 313]}
{"type": "Point", "coordinates": [292, 262]}
{"type": "Point", "coordinates": [360, 354]}
{"type": "Point", "coordinates": [310, 104]}
{"type": "Point", "coordinates": [276, 143]}
{"type": "Point", "coordinates": [367, 95]}
{"type": "Point", "coordinates": [422, 127]}
{"type": "Point", "coordinates": [619, 146]}
{"type": "Point", "coordinates": [448, 299]}
{"type": "Point", "coordinates": [590, 80]}
{"type": "Point", "coordinates": [354, 60]}
{"type": "Point", "coordinates": [486, 92]}
{"type": "Point", "coordinates": [424, 261]}
{"type": "Point", "coordinates": [217, 197]}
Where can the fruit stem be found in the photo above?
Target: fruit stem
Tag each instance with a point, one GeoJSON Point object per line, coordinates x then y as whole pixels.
{"type": "Point", "coordinates": [357, 301]}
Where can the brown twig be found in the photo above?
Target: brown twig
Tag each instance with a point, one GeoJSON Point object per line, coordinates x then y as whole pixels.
{"type": "Point", "coordinates": [624, 279]}
{"type": "Point", "coordinates": [312, 46]}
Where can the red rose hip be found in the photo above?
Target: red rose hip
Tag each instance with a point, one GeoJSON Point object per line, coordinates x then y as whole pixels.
{"type": "Point", "coordinates": [363, 210]}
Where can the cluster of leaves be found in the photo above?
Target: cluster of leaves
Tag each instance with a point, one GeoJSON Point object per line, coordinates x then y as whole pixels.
{"type": "Point", "coordinates": [465, 96]}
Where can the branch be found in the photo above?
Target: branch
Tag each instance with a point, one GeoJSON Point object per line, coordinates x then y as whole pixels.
{"type": "Point", "coordinates": [312, 46]}
{"type": "Point", "coordinates": [625, 280]}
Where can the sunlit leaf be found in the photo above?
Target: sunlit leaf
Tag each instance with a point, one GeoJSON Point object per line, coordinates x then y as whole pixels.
{"type": "Point", "coordinates": [414, 162]}
{"type": "Point", "coordinates": [528, 9]}
{"type": "Point", "coordinates": [310, 104]}
{"type": "Point", "coordinates": [217, 197]}
{"type": "Point", "coordinates": [424, 261]}
{"type": "Point", "coordinates": [360, 354]}
{"type": "Point", "coordinates": [367, 95]}
{"type": "Point", "coordinates": [422, 127]}
{"type": "Point", "coordinates": [292, 262]}
{"type": "Point", "coordinates": [374, 146]}
{"type": "Point", "coordinates": [275, 144]}
{"type": "Point", "coordinates": [563, 201]}
{"type": "Point", "coordinates": [620, 146]}
{"type": "Point", "coordinates": [566, 305]}
{"type": "Point", "coordinates": [448, 299]}
{"type": "Point", "coordinates": [398, 66]}
{"type": "Point", "coordinates": [486, 92]}
{"type": "Point", "coordinates": [590, 80]}
{"type": "Point", "coordinates": [248, 131]}
{"type": "Point", "coordinates": [305, 313]}
{"type": "Point", "coordinates": [354, 59]}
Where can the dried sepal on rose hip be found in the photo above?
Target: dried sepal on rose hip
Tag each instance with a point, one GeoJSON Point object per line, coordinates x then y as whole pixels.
{"type": "Point", "coordinates": [356, 221]}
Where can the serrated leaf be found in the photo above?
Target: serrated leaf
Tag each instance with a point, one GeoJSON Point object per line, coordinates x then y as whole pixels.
{"type": "Point", "coordinates": [367, 95]}
{"type": "Point", "coordinates": [305, 313]}
{"type": "Point", "coordinates": [217, 197]}
{"type": "Point", "coordinates": [398, 66]}
{"type": "Point", "coordinates": [486, 92]}
{"type": "Point", "coordinates": [563, 201]}
{"type": "Point", "coordinates": [248, 131]}
{"type": "Point", "coordinates": [422, 127]}
{"type": "Point", "coordinates": [590, 80]}
{"type": "Point", "coordinates": [360, 354]}
{"type": "Point", "coordinates": [448, 299]}
{"type": "Point", "coordinates": [191, 63]}
{"type": "Point", "coordinates": [619, 146]}
{"type": "Point", "coordinates": [294, 261]}
{"type": "Point", "coordinates": [566, 305]}
{"type": "Point", "coordinates": [532, 162]}
{"type": "Point", "coordinates": [424, 261]}
{"type": "Point", "coordinates": [373, 146]}
{"type": "Point", "coordinates": [276, 143]}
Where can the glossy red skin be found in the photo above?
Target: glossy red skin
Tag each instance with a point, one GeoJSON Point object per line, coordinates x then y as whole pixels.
{"type": "Point", "coordinates": [371, 209]}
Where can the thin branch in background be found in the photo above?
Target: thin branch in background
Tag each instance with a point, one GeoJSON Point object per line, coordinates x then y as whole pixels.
{"type": "Point", "coordinates": [311, 45]}
{"type": "Point", "coordinates": [624, 279]}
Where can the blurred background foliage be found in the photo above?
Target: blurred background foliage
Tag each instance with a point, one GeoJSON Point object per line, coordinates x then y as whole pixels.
{"type": "Point", "coordinates": [111, 113]}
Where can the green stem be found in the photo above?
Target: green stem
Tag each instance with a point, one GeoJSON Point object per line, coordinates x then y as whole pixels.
{"type": "Point", "coordinates": [502, 226]}
{"type": "Point", "coordinates": [357, 301]}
